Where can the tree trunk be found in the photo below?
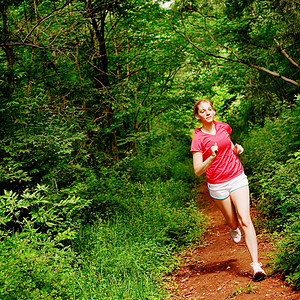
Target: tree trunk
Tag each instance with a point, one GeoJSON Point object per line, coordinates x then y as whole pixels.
{"type": "Point", "coordinates": [101, 66]}
{"type": "Point", "coordinates": [7, 49]}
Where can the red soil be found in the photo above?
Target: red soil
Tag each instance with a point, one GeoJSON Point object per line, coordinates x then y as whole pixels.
{"type": "Point", "coordinates": [220, 268]}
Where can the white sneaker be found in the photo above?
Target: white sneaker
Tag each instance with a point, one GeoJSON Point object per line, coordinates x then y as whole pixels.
{"type": "Point", "coordinates": [235, 234]}
{"type": "Point", "coordinates": [259, 273]}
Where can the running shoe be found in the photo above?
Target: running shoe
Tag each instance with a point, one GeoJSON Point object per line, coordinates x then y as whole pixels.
{"type": "Point", "coordinates": [235, 235]}
{"type": "Point", "coordinates": [259, 273]}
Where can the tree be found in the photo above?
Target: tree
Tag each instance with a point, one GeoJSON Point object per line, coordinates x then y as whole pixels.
{"type": "Point", "coordinates": [238, 32]}
{"type": "Point", "coordinates": [112, 62]}
{"type": "Point", "coordinates": [250, 47]}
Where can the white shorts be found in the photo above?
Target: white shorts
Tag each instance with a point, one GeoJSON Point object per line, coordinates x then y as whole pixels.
{"type": "Point", "coordinates": [222, 190]}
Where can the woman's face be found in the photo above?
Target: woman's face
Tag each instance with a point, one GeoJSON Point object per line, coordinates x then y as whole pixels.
{"type": "Point", "coordinates": [205, 112]}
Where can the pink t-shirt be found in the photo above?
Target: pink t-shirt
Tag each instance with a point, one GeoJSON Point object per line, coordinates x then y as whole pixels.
{"type": "Point", "coordinates": [226, 164]}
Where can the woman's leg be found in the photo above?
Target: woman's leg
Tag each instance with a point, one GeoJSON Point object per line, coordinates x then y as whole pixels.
{"type": "Point", "coordinates": [241, 201]}
{"type": "Point", "coordinates": [227, 208]}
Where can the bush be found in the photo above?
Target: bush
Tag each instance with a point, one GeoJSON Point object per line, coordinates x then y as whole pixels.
{"type": "Point", "coordinates": [147, 213]}
{"type": "Point", "coordinates": [32, 267]}
{"type": "Point", "coordinates": [279, 194]}
{"type": "Point", "coordinates": [43, 146]}
{"type": "Point", "coordinates": [272, 160]}
{"type": "Point", "coordinates": [121, 223]}
{"type": "Point", "coordinates": [164, 153]}
{"type": "Point", "coordinates": [287, 256]}
{"type": "Point", "coordinates": [56, 215]}
{"type": "Point", "coordinates": [271, 144]}
{"type": "Point", "coordinates": [280, 207]}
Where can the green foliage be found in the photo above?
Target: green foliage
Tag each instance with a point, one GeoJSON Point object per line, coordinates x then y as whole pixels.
{"type": "Point", "coordinates": [280, 194]}
{"type": "Point", "coordinates": [147, 213]}
{"type": "Point", "coordinates": [279, 205]}
{"type": "Point", "coordinates": [272, 143]}
{"type": "Point", "coordinates": [43, 210]}
{"type": "Point", "coordinates": [42, 144]}
{"type": "Point", "coordinates": [248, 289]}
{"type": "Point", "coordinates": [121, 222]}
{"type": "Point", "coordinates": [164, 152]}
{"type": "Point", "coordinates": [287, 256]}
{"type": "Point", "coordinates": [32, 267]}
{"type": "Point", "coordinates": [127, 254]}
{"type": "Point", "coordinates": [120, 256]}
{"type": "Point", "coordinates": [119, 267]}
{"type": "Point", "coordinates": [156, 158]}
{"type": "Point", "coordinates": [272, 159]}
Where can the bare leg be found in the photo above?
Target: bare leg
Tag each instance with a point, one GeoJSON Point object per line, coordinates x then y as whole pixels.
{"type": "Point", "coordinates": [227, 208]}
{"type": "Point", "coordinates": [241, 201]}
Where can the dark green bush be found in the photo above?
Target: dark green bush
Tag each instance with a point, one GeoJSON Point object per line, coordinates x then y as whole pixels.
{"type": "Point", "coordinates": [44, 145]}
{"type": "Point", "coordinates": [287, 258]}
{"type": "Point", "coordinates": [272, 143]}
{"type": "Point", "coordinates": [273, 163]}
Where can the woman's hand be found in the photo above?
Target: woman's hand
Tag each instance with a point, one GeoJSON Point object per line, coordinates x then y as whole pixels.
{"type": "Point", "coordinates": [214, 150]}
{"type": "Point", "coordinates": [201, 166]}
{"type": "Point", "coordinates": [237, 149]}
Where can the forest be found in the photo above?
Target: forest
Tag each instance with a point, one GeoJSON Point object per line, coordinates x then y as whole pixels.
{"type": "Point", "coordinates": [97, 188]}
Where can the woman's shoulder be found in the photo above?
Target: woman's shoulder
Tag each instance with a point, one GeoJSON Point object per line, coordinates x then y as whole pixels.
{"type": "Point", "coordinates": [223, 125]}
{"type": "Point", "coordinates": [197, 135]}
{"type": "Point", "coordinates": [197, 131]}
{"type": "Point", "coordinates": [220, 123]}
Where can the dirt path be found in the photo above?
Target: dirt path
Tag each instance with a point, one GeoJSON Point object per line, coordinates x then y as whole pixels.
{"type": "Point", "coordinates": [221, 269]}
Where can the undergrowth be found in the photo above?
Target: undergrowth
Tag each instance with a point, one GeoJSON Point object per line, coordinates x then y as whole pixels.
{"type": "Point", "coordinates": [107, 232]}
{"type": "Point", "coordinates": [272, 160]}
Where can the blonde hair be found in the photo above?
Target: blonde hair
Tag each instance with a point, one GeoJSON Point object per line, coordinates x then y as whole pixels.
{"type": "Point", "coordinates": [196, 105]}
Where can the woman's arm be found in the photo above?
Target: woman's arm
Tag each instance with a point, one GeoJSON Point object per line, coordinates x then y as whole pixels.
{"type": "Point", "coordinates": [237, 149]}
{"type": "Point", "coordinates": [201, 166]}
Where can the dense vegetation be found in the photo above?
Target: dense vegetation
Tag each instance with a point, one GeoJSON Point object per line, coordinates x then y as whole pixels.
{"type": "Point", "coordinates": [96, 182]}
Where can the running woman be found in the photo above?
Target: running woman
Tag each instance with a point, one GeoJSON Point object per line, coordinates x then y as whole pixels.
{"type": "Point", "coordinates": [215, 155]}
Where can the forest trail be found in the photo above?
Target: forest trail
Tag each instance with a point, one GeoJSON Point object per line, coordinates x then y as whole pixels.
{"type": "Point", "coordinates": [221, 269]}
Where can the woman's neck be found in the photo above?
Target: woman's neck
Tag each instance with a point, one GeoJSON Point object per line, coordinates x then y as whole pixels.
{"type": "Point", "coordinates": [209, 128]}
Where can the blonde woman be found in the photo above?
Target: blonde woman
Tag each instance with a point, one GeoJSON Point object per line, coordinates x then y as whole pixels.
{"type": "Point", "coordinates": [215, 155]}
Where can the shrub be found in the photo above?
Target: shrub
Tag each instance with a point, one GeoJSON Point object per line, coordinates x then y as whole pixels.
{"type": "Point", "coordinates": [272, 143]}
{"type": "Point", "coordinates": [43, 146]}
{"type": "Point", "coordinates": [56, 215]}
{"type": "Point", "coordinates": [287, 256]}
{"type": "Point", "coordinates": [280, 206]}
{"type": "Point", "coordinates": [32, 267]}
{"type": "Point", "coordinates": [162, 153]}
{"type": "Point", "coordinates": [279, 194]}
{"type": "Point", "coordinates": [272, 160]}
{"type": "Point", "coordinates": [143, 207]}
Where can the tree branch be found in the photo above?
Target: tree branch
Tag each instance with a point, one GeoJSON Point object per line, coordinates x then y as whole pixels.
{"type": "Point", "coordinates": [44, 19]}
{"type": "Point", "coordinates": [271, 73]}
{"type": "Point", "coordinates": [286, 55]}
{"type": "Point", "coordinates": [237, 60]}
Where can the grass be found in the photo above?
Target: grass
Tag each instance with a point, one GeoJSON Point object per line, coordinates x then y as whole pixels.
{"type": "Point", "coordinates": [126, 256]}
{"type": "Point", "coordinates": [248, 289]}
